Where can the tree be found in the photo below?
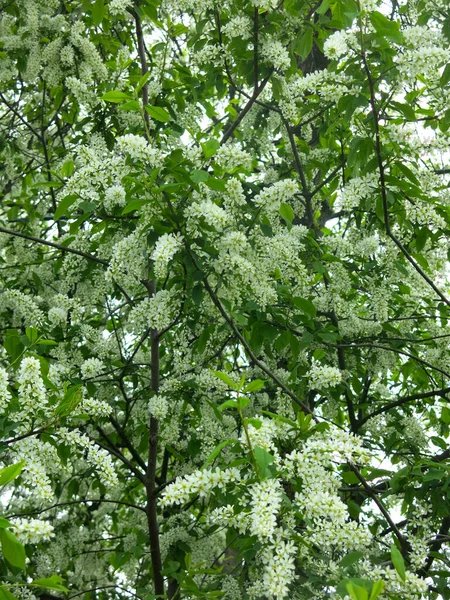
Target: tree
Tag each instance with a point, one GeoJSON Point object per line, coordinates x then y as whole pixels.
{"type": "Point", "coordinates": [225, 299]}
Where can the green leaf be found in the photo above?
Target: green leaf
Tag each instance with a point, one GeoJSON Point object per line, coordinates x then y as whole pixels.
{"type": "Point", "coordinates": [398, 562]}
{"type": "Point", "coordinates": [357, 592]}
{"type": "Point", "coordinates": [286, 212]}
{"type": "Point", "coordinates": [305, 306]}
{"type": "Point", "coordinates": [303, 45]}
{"type": "Point", "coordinates": [350, 558]}
{"type": "Point", "coordinates": [242, 402]}
{"type": "Point", "coordinates": [135, 204]}
{"type": "Point", "coordinates": [445, 77]}
{"type": "Point", "coordinates": [199, 175]}
{"type": "Point", "coordinates": [158, 113]}
{"type": "Point", "coordinates": [217, 450]}
{"type": "Point", "coordinates": [254, 386]}
{"type": "Point", "coordinates": [5, 594]}
{"type": "Point", "coordinates": [377, 589]}
{"type": "Point", "coordinates": [386, 27]}
{"type": "Point", "coordinates": [115, 96]}
{"type": "Point", "coordinates": [98, 12]}
{"type": "Point", "coordinates": [228, 404]}
{"type": "Point", "coordinates": [67, 168]}
{"type": "Point", "coordinates": [52, 583]}
{"type": "Point", "coordinates": [7, 474]}
{"type": "Point", "coordinates": [142, 81]}
{"type": "Point", "coordinates": [225, 378]}
{"type": "Point", "coordinates": [4, 523]}
{"type": "Point", "coordinates": [210, 147]}
{"type": "Point", "coordinates": [12, 549]}
{"type": "Point", "coordinates": [64, 205]}
{"type": "Point", "coordinates": [71, 400]}
{"type": "Point", "coordinates": [263, 460]}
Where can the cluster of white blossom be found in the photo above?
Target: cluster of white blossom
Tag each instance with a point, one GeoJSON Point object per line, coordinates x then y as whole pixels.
{"type": "Point", "coordinates": [24, 307]}
{"type": "Point", "coordinates": [266, 498]}
{"type": "Point", "coordinates": [323, 376]}
{"type": "Point", "coordinates": [239, 26]}
{"type": "Point", "coordinates": [91, 368]}
{"type": "Point", "coordinates": [339, 44]}
{"type": "Point", "coordinates": [358, 189]}
{"type": "Point", "coordinates": [127, 264]}
{"type": "Point", "coordinates": [275, 53]}
{"type": "Point", "coordinates": [156, 312]}
{"type": "Point", "coordinates": [95, 407]}
{"type": "Point", "coordinates": [97, 457]}
{"type": "Point", "coordinates": [5, 394]}
{"type": "Point", "coordinates": [33, 531]}
{"type": "Point", "coordinates": [33, 398]}
{"type": "Point", "coordinates": [199, 482]}
{"type": "Point", "coordinates": [118, 7]}
{"type": "Point", "coordinates": [138, 148]}
{"type": "Point", "coordinates": [41, 460]}
{"type": "Point", "coordinates": [269, 198]}
{"type": "Point", "coordinates": [165, 249]}
{"type": "Point", "coordinates": [231, 156]}
{"type": "Point", "coordinates": [424, 55]}
{"type": "Point", "coordinates": [158, 406]}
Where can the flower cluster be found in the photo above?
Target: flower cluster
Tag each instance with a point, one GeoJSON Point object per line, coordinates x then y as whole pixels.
{"type": "Point", "coordinates": [165, 249]}
{"type": "Point", "coordinates": [32, 393]}
{"type": "Point", "coordinates": [323, 376]}
{"type": "Point", "coordinates": [33, 531]}
{"type": "Point", "coordinates": [5, 394]}
{"type": "Point", "coordinates": [198, 482]}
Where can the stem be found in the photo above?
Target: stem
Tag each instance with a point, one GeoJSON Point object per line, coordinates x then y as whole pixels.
{"type": "Point", "coordinates": [150, 476]}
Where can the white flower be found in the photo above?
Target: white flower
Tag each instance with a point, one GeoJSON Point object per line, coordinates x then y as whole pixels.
{"type": "Point", "coordinates": [165, 249]}
{"type": "Point", "coordinates": [91, 368]}
{"type": "Point", "coordinates": [5, 394]}
{"type": "Point", "coordinates": [32, 392]}
{"type": "Point", "coordinates": [158, 406]}
{"type": "Point", "coordinates": [33, 531]}
{"type": "Point", "coordinates": [323, 376]}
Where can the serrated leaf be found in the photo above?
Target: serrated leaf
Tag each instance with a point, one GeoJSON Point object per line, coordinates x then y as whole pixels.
{"type": "Point", "coordinates": [350, 558]}
{"type": "Point", "coordinates": [158, 113]}
{"type": "Point", "coordinates": [9, 473]}
{"type": "Point", "coordinates": [5, 594]}
{"type": "Point", "coordinates": [445, 77]}
{"type": "Point", "coordinates": [198, 175]}
{"type": "Point", "coordinates": [142, 81]}
{"type": "Point", "coordinates": [398, 561]}
{"type": "Point", "coordinates": [4, 523]}
{"type": "Point", "coordinates": [217, 450]}
{"type": "Point", "coordinates": [256, 423]}
{"type": "Point", "coordinates": [386, 27]}
{"type": "Point", "coordinates": [210, 147]}
{"type": "Point", "coordinates": [263, 460]}
{"type": "Point", "coordinates": [228, 404]}
{"type": "Point", "coordinates": [305, 306]}
{"type": "Point", "coordinates": [356, 591]}
{"type": "Point", "coordinates": [225, 378]}
{"type": "Point", "coordinates": [71, 400]}
{"type": "Point", "coordinates": [51, 583]}
{"type": "Point", "coordinates": [254, 386]}
{"type": "Point", "coordinates": [303, 45]}
{"type": "Point", "coordinates": [64, 205]}
{"type": "Point", "coordinates": [377, 589]}
{"type": "Point", "coordinates": [98, 12]}
{"type": "Point", "coordinates": [115, 96]}
{"type": "Point", "coordinates": [12, 549]}
{"type": "Point", "coordinates": [286, 212]}
{"type": "Point", "coordinates": [135, 204]}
